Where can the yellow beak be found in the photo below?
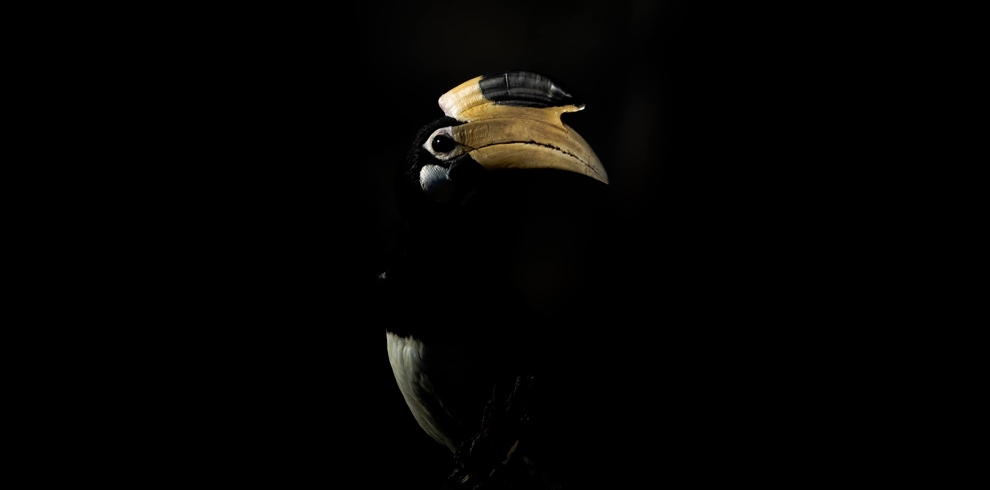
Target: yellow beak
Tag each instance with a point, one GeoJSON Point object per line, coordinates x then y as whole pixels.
{"type": "Point", "coordinates": [503, 134]}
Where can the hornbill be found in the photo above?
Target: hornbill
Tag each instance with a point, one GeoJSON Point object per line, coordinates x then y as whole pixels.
{"type": "Point", "coordinates": [493, 269]}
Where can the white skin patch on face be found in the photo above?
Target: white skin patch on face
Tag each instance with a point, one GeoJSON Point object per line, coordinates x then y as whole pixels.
{"type": "Point", "coordinates": [436, 183]}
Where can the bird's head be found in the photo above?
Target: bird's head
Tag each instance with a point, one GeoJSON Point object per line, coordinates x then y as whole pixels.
{"type": "Point", "coordinates": [493, 124]}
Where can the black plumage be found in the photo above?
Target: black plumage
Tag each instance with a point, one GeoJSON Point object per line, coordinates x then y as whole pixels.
{"type": "Point", "coordinates": [502, 272]}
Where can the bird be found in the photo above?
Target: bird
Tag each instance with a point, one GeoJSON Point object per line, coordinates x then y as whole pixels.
{"type": "Point", "coordinates": [495, 264]}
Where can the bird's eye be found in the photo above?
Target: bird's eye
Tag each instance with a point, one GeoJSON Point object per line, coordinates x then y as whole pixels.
{"type": "Point", "coordinates": [442, 144]}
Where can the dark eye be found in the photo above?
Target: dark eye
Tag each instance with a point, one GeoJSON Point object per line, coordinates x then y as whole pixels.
{"type": "Point", "coordinates": [442, 144]}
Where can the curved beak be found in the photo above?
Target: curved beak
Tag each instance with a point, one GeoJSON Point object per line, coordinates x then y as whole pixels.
{"type": "Point", "coordinates": [503, 129]}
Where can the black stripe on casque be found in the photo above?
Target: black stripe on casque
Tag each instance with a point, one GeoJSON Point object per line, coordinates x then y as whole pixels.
{"type": "Point", "coordinates": [526, 89]}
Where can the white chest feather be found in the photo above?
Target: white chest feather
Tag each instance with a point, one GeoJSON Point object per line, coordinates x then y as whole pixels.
{"type": "Point", "coordinates": [423, 374]}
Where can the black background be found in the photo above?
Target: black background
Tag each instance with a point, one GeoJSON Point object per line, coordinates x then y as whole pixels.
{"type": "Point", "coordinates": [267, 141]}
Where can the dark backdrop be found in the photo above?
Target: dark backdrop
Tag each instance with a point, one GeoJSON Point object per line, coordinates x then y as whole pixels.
{"type": "Point", "coordinates": [273, 139]}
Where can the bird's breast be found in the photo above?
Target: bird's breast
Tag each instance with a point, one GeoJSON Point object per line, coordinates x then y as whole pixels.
{"type": "Point", "coordinates": [425, 375]}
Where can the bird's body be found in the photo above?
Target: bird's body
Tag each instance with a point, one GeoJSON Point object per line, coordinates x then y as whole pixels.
{"type": "Point", "coordinates": [491, 275]}
{"type": "Point", "coordinates": [423, 374]}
